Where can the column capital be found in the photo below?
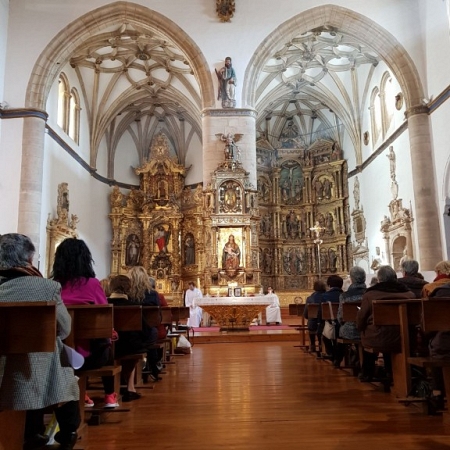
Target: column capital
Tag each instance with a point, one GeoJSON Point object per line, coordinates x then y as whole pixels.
{"type": "Point", "coordinates": [418, 109]}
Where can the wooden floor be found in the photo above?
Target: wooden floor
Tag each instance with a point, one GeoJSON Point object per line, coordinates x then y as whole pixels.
{"type": "Point", "coordinates": [264, 395]}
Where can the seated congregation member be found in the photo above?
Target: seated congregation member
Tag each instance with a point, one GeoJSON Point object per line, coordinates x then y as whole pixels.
{"type": "Point", "coordinates": [442, 270]}
{"type": "Point", "coordinates": [354, 293]}
{"type": "Point", "coordinates": [25, 381]}
{"type": "Point", "coordinates": [142, 292]}
{"type": "Point", "coordinates": [129, 342]}
{"type": "Point", "coordinates": [411, 278]}
{"type": "Point", "coordinates": [332, 295]}
{"type": "Point", "coordinates": [384, 338]}
{"type": "Point", "coordinates": [273, 312]}
{"type": "Point", "coordinates": [73, 268]}
{"type": "Point", "coordinates": [195, 312]}
{"type": "Point", "coordinates": [313, 324]}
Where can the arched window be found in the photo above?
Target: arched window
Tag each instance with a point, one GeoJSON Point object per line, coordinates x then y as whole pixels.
{"type": "Point", "coordinates": [387, 98]}
{"type": "Point", "coordinates": [375, 115]}
{"type": "Point", "coordinates": [63, 102]}
{"type": "Point", "coordinates": [74, 117]}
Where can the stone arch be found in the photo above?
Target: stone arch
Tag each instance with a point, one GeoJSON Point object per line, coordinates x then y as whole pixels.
{"type": "Point", "coordinates": [58, 52]}
{"type": "Point", "coordinates": [351, 23]}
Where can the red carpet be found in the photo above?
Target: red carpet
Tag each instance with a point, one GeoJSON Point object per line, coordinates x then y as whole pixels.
{"type": "Point", "coordinates": [252, 328]}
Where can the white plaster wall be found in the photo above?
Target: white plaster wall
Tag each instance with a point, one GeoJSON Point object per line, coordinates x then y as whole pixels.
{"type": "Point", "coordinates": [4, 8]}
{"type": "Point", "coordinates": [375, 193]}
{"type": "Point", "coordinates": [441, 145]}
{"type": "Point", "coordinates": [437, 45]}
{"type": "Point", "coordinates": [89, 200]}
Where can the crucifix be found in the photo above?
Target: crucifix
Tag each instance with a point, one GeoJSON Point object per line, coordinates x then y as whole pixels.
{"type": "Point", "coordinates": [317, 229]}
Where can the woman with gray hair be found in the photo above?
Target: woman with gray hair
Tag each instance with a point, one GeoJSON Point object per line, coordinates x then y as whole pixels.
{"type": "Point", "coordinates": [25, 384]}
{"type": "Point", "coordinates": [411, 278]}
{"type": "Point", "coordinates": [384, 338]}
{"type": "Point", "coordinates": [353, 294]}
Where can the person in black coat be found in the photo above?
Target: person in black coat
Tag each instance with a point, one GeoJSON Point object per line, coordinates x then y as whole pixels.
{"type": "Point", "coordinates": [313, 323]}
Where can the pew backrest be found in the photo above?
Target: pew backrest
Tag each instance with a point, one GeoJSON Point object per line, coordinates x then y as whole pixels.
{"type": "Point", "coordinates": [90, 322]}
{"type": "Point", "coordinates": [350, 310]}
{"type": "Point", "coordinates": [436, 315]}
{"type": "Point", "coordinates": [27, 327]}
{"type": "Point", "coordinates": [326, 315]}
{"type": "Point", "coordinates": [127, 318]}
{"type": "Point", "coordinates": [387, 312]}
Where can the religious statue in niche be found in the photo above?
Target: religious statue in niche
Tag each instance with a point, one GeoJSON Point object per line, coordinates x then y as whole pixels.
{"type": "Point", "coordinates": [329, 220]}
{"type": "Point", "coordinates": [266, 225]}
{"type": "Point", "coordinates": [189, 250]}
{"type": "Point", "coordinates": [133, 250]}
{"type": "Point", "coordinates": [327, 188]}
{"type": "Point", "coordinates": [231, 255]}
{"type": "Point", "coordinates": [291, 182]}
{"type": "Point", "coordinates": [267, 260]}
{"type": "Point", "coordinates": [227, 84]}
{"type": "Point", "coordinates": [162, 236]}
{"type": "Point", "coordinates": [162, 190]}
{"type": "Point", "coordinates": [263, 190]}
{"type": "Point", "coordinates": [318, 187]}
{"type": "Point", "coordinates": [332, 259]}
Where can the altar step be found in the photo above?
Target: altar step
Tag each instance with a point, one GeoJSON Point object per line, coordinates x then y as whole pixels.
{"type": "Point", "coordinates": [219, 337]}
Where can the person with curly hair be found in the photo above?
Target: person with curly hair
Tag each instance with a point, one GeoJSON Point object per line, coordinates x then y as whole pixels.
{"type": "Point", "coordinates": [73, 268]}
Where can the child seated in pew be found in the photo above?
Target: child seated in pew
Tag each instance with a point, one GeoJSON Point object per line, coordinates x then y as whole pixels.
{"type": "Point", "coordinates": [130, 342]}
{"type": "Point", "coordinates": [73, 269]}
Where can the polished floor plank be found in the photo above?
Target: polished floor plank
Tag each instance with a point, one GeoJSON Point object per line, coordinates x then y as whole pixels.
{"type": "Point", "coordinates": [266, 395]}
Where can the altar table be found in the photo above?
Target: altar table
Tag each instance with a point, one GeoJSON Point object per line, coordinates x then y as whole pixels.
{"type": "Point", "coordinates": [234, 313]}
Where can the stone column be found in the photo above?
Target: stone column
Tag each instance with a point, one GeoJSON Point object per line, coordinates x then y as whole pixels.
{"type": "Point", "coordinates": [224, 121]}
{"type": "Point", "coordinates": [30, 200]}
{"type": "Point", "coordinates": [426, 209]}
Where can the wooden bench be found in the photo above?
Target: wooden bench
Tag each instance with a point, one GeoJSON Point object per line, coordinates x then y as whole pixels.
{"type": "Point", "coordinates": [401, 313]}
{"type": "Point", "coordinates": [25, 327]}
{"type": "Point", "coordinates": [297, 309]}
{"type": "Point", "coordinates": [93, 322]}
{"type": "Point", "coordinates": [313, 313]}
{"type": "Point", "coordinates": [349, 313]}
{"type": "Point", "coordinates": [129, 318]}
{"type": "Point", "coordinates": [180, 313]}
{"type": "Point", "coordinates": [435, 318]}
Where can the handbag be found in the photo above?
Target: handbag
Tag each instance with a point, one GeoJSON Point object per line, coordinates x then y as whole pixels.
{"type": "Point", "coordinates": [329, 328]}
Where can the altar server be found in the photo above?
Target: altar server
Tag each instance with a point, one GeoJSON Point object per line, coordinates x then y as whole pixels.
{"type": "Point", "coordinates": [273, 312]}
{"type": "Point", "coordinates": [195, 312]}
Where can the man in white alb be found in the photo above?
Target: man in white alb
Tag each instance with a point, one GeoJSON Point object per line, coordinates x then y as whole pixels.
{"type": "Point", "coordinates": [195, 312]}
{"type": "Point", "coordinates": [273, 312]}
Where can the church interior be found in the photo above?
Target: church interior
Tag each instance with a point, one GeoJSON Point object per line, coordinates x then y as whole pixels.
{"type": "Point", "coordinates": [118, 127]}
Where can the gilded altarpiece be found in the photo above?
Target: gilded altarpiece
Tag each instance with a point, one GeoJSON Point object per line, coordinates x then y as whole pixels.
{"type": "Point", "coordinates": [147, 221]}
{"type": "Point", "coordinates": [300, 189]}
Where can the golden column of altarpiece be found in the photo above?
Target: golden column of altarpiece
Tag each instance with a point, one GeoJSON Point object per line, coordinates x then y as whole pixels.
{"type": "Point", "coordinates": [230, 232]}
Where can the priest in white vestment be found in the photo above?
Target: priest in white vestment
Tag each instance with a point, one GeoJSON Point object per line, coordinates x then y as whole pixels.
{"type": "Point", "coordinates": [273, 312]}
{"type": "Point", "coordinates": [195, 312]}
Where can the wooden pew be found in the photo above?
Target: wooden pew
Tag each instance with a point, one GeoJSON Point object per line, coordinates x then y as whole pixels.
{"type": "Point", "coordinates": [129, 318]}
{"type": "Point", "coordinates": [349, 313]}
{"type": "Point", "coordinates": [435, 318]}
{"type": "Point", "coordinates": [93, 322]}
{"type": "Point", "coordinates": [313, 313]}
{"type": "Point", "coordinates": [326, 310]}
{"type": "Point", "coordinates": [297, 309]}
{"type": "Point", "coordinates": [401, 313]}
{"type": "Point", "coordinates": [180, 313]}
{"type": "Point", "coordinates": [25, 327]}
